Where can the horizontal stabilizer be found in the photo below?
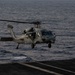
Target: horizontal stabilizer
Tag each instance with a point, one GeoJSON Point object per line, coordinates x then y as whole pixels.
{"type": "Point", "coordinates": [6, 39]}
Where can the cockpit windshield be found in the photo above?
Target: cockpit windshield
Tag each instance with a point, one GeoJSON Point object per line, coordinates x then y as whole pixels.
{"type": "Point", "coordinates": [45, 32]}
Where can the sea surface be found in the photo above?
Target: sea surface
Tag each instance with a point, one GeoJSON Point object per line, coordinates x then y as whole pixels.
{"type": "Point", "coordinates": [55, 15]}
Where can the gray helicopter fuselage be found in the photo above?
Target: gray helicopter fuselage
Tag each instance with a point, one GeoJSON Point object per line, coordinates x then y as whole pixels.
{"type": "Point", "coordinates": [42, 35]}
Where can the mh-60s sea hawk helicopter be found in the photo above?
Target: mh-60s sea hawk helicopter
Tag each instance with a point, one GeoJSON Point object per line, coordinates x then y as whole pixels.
{"type": "Point", "coordinates": [33, 36]}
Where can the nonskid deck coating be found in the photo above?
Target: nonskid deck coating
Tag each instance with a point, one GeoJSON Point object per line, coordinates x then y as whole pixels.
{"type": "Point", "coordinates": [16, 69]}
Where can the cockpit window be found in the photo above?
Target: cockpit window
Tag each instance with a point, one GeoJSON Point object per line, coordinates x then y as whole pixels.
{"type": "Point", "coordinates": [45, 32]}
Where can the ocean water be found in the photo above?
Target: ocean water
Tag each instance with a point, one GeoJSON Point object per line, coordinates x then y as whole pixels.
{"type": "Point", "coordinates": [55, 15]}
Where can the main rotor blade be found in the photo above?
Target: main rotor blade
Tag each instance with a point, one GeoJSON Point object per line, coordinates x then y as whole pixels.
{"type": "Point", "coordinates": [17, 21]}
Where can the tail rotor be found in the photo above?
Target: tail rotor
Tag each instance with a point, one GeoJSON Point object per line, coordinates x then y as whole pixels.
{"type": "Point", "coordinates": [10, 26]}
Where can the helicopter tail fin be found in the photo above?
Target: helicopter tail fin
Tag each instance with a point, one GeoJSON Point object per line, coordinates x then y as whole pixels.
{"type": "Point", "coordinates": [10, 27]}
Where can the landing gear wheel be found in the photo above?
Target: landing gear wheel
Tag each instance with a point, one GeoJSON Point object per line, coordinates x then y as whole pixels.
{"type": "Point", "coordinates": [32, 45]}
{"type": "Point", "coordinates": [49, 45]}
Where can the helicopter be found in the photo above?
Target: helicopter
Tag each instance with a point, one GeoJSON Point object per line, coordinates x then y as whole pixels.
{"type": "Point", "coordinates": [34, 35]}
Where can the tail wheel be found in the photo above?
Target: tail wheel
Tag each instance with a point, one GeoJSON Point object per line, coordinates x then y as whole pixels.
{"type": "Point", "coordinates": [32, 45]}
{"type": "Point", "coordinates": [49, 45]}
